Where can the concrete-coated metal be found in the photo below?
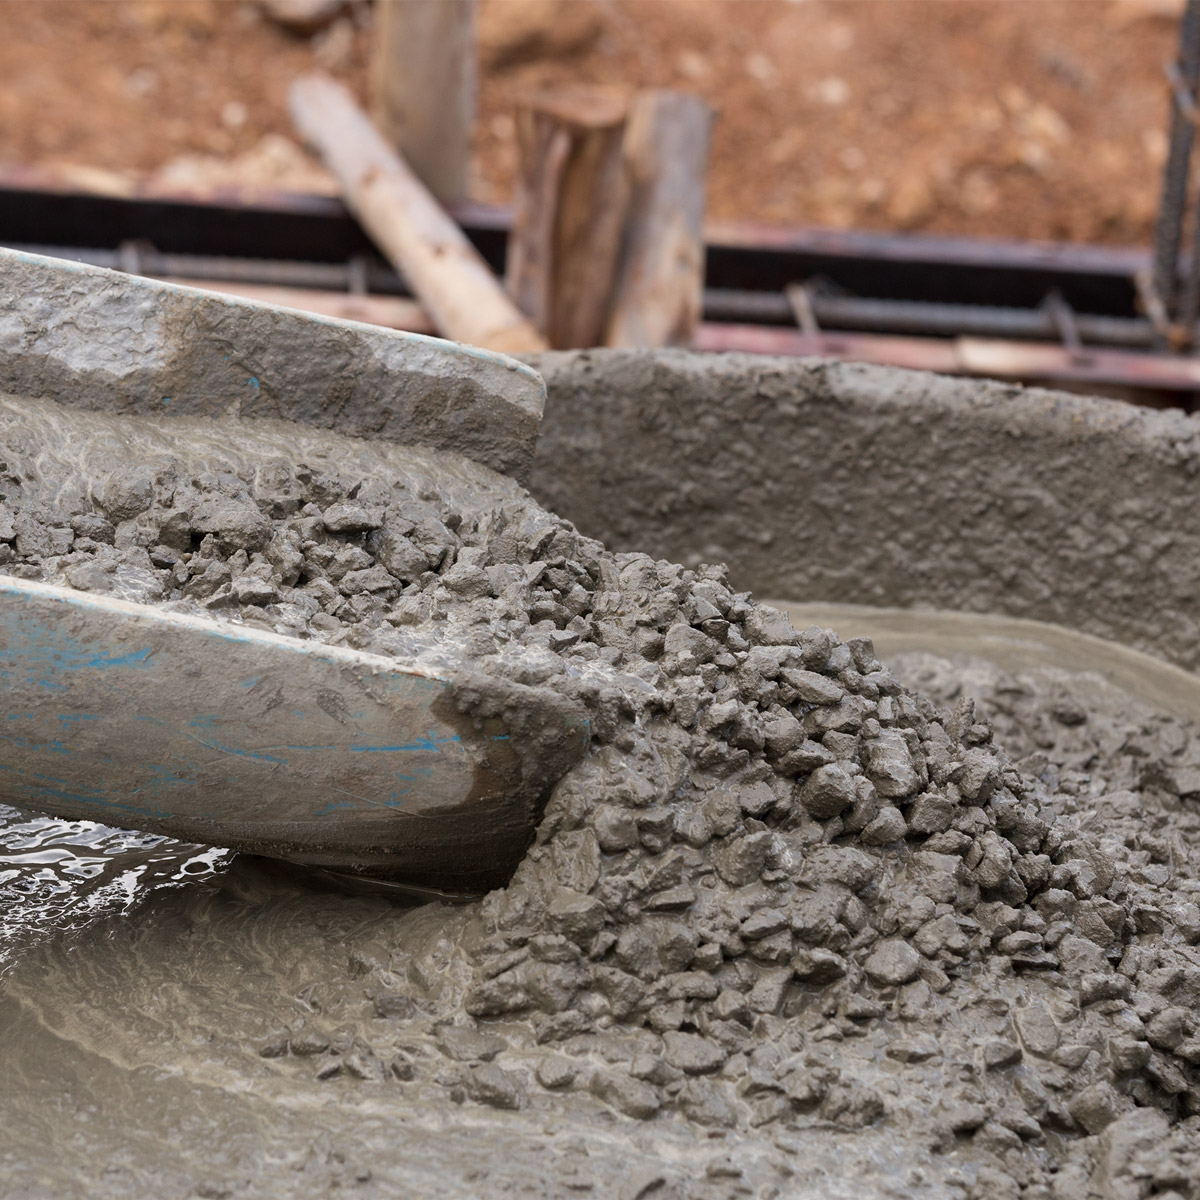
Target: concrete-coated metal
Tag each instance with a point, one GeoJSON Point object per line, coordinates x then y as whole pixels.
{"type": "Point", "coordinates": [156, 720]}
{"type": "Point", "coordinates": [118, 343]}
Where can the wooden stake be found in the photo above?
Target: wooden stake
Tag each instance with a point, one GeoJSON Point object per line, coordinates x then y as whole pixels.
{"type": "Point", "coordinates": [660, 286]}
{"type": "Point", "coordinates": [445, 271]}
{"type": "Point", "coordinates": [423, 87]}
{"type": "Point", "coordinates": [572, 193]}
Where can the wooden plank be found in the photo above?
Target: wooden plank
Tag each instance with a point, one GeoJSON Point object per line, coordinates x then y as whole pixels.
{"type": "Point", "coordinates": [658, 299]}
{"type": "Point", "coordinates": [572, 191]}
{"type": "Point", "coordinates": [423, 87]}
{"type": "Point", "coordinates": [447, 274]}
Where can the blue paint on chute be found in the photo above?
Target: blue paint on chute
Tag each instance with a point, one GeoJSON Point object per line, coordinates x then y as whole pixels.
{"type": "Point", "coordinates": [169, 723]}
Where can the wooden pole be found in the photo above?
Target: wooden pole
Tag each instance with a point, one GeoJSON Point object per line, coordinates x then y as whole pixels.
{"type": "Point", "coordinates": [660, 284]}
{"type": "Point", "coordinates": [423, 87]}
{"type": "Point", "coordinates": [571, 198]}
{"type": "Point", "coordinates": [445, 271]}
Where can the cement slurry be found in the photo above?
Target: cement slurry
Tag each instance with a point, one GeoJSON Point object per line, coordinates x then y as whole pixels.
{"type": "Point", "coordinates": [125, 1030]}
{"type": "Point", "coordinates": [789, 927]}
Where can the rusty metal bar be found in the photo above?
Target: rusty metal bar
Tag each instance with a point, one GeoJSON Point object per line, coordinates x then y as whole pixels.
{"type": "Point", "coordinates": [923, 318]}
{"type": "Point", "coordinates": [1179, 91]}
{"type": "Point", "coordinates": [1094, 279]}
{"type": "Point", "coordinates": [362, 276]}
{"type": "Point", "coordinates": [360, 273]}
{"type": "Point", "coordinates": [799, 297]}
{"type": "Point", "coordinates": [1183, 90]}
{"type": "Point", "coordinates": [1189, 298]}
{"type": "Point", "coordinates": [986, 357]}
{"type": "Point", "coordinates": [1065, 319]}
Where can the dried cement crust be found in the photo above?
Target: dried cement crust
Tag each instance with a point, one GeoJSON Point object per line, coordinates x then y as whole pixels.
{"type": "Point", "coordinates": [111, 342]}
{"type": "Point", "coordinates": [842, 482]}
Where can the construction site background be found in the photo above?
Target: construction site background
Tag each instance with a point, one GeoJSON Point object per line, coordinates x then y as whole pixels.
{"type": "Point", "coordinates": [1007, 118]}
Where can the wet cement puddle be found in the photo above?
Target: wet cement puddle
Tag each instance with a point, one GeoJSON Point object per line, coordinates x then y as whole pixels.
{"type": "Point", "coordinates": [1011, 644]}
{"type": "Point", "coordinates": [139, 976]}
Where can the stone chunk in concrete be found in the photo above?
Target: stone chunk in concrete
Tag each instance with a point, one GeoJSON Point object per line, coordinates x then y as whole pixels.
{"type": "Point", "coordinates": [741, 861]}
{"type": "Point", "coordinates": [494, 1086]}
{"type": "Point", "coordinates": [812, 687]}
{"type": "Point", "coordinates": [1037, 1028]}
{"type": "Point", "coordinates": [1096, 1107]}
{"type": "Point", "coordinates": [633, 1097]}
{"type": "Point", "coordinates": [575, 915]}
{"type": "Point", "coordinates": [828, 791]}
{"type": "Point", "coordinates": [892, 963]}
{"type": "Point", "coordinates": [886, 828]}
{"type": "Point", "coordinates": [931, 813]}
{"type": "Point", "coordinates": [692, 1054]}
{"type": "Point", "coordinates": [890, 766]}
{"type": "Point", "coordinates": [468, 1045]}
{"type": "Point", "coordinates": [656, 946]}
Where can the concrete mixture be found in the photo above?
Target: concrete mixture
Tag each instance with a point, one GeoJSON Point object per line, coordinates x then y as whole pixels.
{"type": "Point", "coordinates": [791, 928]}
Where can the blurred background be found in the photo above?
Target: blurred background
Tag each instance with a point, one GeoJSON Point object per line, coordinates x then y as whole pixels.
{"type": "Point", "coordinates": [996, 188]}
{"type": "Point", "coordinates": [1025, 119]}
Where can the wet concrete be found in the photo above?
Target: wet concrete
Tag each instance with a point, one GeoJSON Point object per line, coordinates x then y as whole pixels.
{"type": "Point", "coordinates": [1013, 644]}
{"type": "Point", "coordinates": [788, 910]}
{"type": "Point", "coordinates": [854, 484]}
{"type": "Point", "coordinates": [137, 1017]}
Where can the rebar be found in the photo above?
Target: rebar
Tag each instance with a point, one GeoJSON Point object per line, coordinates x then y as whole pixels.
{"type": "Point", "coordinates": [1047, 323]}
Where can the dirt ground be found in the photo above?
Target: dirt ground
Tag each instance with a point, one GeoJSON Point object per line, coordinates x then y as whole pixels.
{"type": "Point", "coordinates": [1011, 118]}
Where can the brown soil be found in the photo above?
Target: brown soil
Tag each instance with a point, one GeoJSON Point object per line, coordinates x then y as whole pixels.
{"type": "Point", "coordinates": [1025, 118]}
